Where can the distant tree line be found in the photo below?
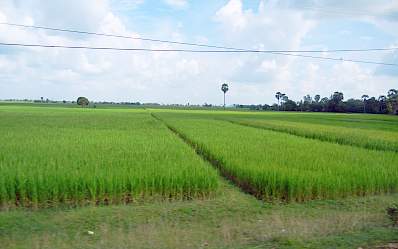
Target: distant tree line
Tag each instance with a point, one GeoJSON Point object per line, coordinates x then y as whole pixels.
{"type": "Point", "coordinates": [117, 103]}
{"type": "Point", "coordinates": [384, 104]}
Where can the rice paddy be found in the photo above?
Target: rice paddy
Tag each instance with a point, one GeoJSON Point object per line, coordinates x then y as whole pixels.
{"type": "Point", "coordinates": [53, 155]}
{"type": "Point", "coordinates": [366, 138]}
{"type": "Point", "coordinates": [276, 165]}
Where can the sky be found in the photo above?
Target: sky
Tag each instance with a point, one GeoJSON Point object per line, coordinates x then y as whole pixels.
{"type": "Point", "coordinates": [196, 78]}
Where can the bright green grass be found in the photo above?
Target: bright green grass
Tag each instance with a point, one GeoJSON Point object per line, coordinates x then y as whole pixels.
{"type": "Point", "coordinates": [282, 166]}
{"type": "Point", "coordinates": [52, 155]}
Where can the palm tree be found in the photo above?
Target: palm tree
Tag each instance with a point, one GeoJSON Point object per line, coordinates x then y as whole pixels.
{"type": "Point", "coordinates": [392, 93]}
{"type": "Point", "coordinates": [382, 101]}
{"type": "Point", "coordinates": [364, 98]}
{"type": "Point", "coordinates": [278, 96]}
{"type": "Point", "coordinates": [224, 88]}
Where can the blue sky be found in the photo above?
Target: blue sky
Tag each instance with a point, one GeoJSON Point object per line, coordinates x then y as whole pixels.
{"type": "Point", "coordinates": [196, 78]}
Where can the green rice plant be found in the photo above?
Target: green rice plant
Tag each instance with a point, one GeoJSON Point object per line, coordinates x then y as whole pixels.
{"type": "Point", "coordinates": [275, 165]}
{"type": "Point", "coordinates": [56, 155]}
{"type": "Point", "coordinates": [378, 132]}
{"type": "Point", "coordinates": [357, 121]}
{"type": "Point", "coordinates": [367, 138]}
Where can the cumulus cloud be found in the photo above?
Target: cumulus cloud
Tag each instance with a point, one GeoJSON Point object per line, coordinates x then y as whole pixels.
{"type": "Point", "coordinates": [267, 27]}
{"type": "Point", "coordinates": [173, 77]}
{"type": "Point", "coordinates": [60, 73]}
{"type": "Point", "coordinates": [233, 16]}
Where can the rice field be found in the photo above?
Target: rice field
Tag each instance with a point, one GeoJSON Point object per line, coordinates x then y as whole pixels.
{"type": "Point", "coordinates": [55, 155]}
{"type": "Point", "coordinates": [276, 165]}
{"type": "Point", "coordinates": [366, 138]}
{"type": "Point", "coordinates": [357, 121]}
{"type": "Point", "coordinates": [58, 155]}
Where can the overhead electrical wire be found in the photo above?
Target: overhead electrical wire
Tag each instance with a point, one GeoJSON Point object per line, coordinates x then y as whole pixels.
{"type": "Point", "coordinates": [114, 35]}
{"type": "Point", "coordinates": [225, 49]}
{"type": "Point", "coordinates": [191, 51]}
{"type": "Point", "coordinates": [340, 59]}
{"type": "Point", "coordinates": [196, 44]}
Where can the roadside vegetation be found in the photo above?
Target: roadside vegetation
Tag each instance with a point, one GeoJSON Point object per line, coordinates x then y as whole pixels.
{"type": "Point", "coordinates": [230, 219]}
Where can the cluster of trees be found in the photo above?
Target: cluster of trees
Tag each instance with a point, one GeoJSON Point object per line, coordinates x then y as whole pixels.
{"type": "Point", "coordinates": [83, 101]}
{"type": "Point", "coordinates": [335, 103]}
{"type": "Point", "coordinates": [117, 103]}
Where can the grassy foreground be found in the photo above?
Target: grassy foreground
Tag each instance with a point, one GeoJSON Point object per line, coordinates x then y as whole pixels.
{"type": "Point", "coordinates": [230, 220]}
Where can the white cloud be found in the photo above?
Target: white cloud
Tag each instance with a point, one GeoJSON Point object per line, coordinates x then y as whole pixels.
{"type": "Point", "coordinates": [269, 28]}
{"type": "Point", "coordinates": [125, 5]}
{"type": "Point", "coordinates": [233, 16]}
{"type": "Point", "coordinates": [268, 66]}
{"type": "Point", "coordinates": [177, 3]}
{"type": "Point", "coordinates": [172, 77]}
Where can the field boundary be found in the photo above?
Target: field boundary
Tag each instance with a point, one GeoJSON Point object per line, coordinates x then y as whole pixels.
{"type": "Point", "coordinates": [205, 155]}
{"type": "Point", "coordinates": [313, 137]}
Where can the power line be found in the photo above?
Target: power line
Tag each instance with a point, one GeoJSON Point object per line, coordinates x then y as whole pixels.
{"type": "Point", "coordinates": [192, 51]}
{"type": "Point", "coordinates": [116, 36]}
{"type": "Point", "coordinates": [226, 49]}
{"type": "Point", "coordinates": [198, 44]}
{"type": "Point", "coordinates": [340, 59]}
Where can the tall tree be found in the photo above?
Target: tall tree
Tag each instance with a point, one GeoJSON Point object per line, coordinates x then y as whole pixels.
{"type": "Point", "coordinates": [337, 96]}
{"type": "Point", "coordinates": [334, 105]}
{"type": "Point", "coordinates": [278, 96]}
{"type": "Point", "coordinates": [315, 105]}
{"type": "Point", "coordinates": [324, 103]}
{"type": "Point", "coordinates": [364, 98]}
{"type": "Point", "coordinates": [392, 102]}
{"type": "Point", "coordinates": [382, 103]}
{"type": "Point", "coordinates": [392, 93]}
{"type": "Point", "coordinates": [289, 105]}
{"type": "Point", "coordinates": [372, 105]}
{"type": "Point", "coordinates": [224, 88]}
{"type": "Point", "coordinates": [353, 105]}
{"type": "Point", "coordinates": [307, 100]}
{"type": "Point", "coordinates": [284, 98]}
